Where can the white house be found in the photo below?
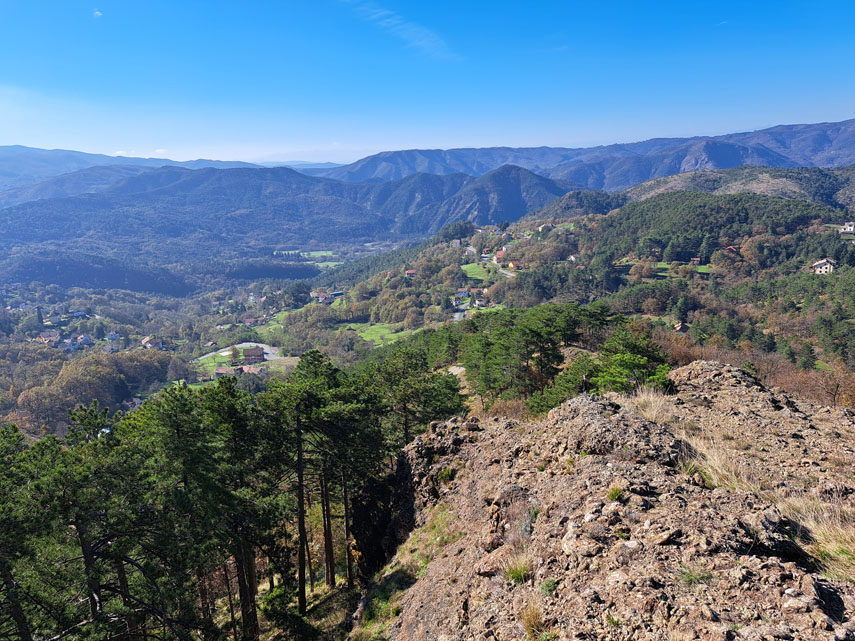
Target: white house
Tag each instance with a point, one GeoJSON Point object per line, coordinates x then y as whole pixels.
{"type": "Point", "coordinates": [848, 228]}
{"type": "Point", "coordinates": [824, 266]}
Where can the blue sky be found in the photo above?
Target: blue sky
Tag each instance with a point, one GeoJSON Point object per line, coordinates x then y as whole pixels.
{"type": "Point", "coordinates": [339, 79]}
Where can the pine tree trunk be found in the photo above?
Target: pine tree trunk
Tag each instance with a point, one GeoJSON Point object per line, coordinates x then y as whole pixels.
{"type": "Point", "coordinates": [204, 602]}
{"type": "Point", "coordinates": [347, 551]}
{"type": "Point", "coordinates": [249, 617]}
{"type": "Point", "coordinates": [329, 550]}
{"type": "Point", "coordinates": [309, 566]}
{"type": "Point", "coordinates": [14, 601]}
{"type": "Point", "coordinates": [251, 571]}
{"type": "Point", "coordinates": [135, 622]}
{"type": "Point", "coordinates": [92, 588]}
{"type": "Point", "coordinates": [301, 529]}
{"type": "Point", "coordinates": [228, 581]}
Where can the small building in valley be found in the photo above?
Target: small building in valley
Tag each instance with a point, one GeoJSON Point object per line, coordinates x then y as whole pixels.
{"type": "Point", "coordinates": [824, 266]}
{"type": "Point", "coordinates": [50, 337]}
{"type": "Point", "coordinates": [848, 228]}
{"type": "Point", "coordinates": [150, 342]}
{"type": "Point", "coordinates": [253, 355]}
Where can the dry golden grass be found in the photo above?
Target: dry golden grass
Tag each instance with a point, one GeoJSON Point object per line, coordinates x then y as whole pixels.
{"type": "Point", "coordinates": [650, 403]}
{"type": "Point", "coordinates": [514, 409]}
{"type": "Point", "coordinates": [718, 465]}
{"type": "Point", "coordinates": [828, 532]}
{"type": "Point", "coordinates": [531, 618]}
{"type": "Point", "coordinates": [826, 529]}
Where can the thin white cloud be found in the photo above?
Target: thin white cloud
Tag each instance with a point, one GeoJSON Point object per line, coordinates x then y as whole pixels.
{"type": "Point", "coordinates": [159, 152]}
{"type": "Point", "coordinates": [414, 35]}
{"type": "Point", "coordinates": [97, 13]}
{"type": "Point", "coordinates": [121, 152]}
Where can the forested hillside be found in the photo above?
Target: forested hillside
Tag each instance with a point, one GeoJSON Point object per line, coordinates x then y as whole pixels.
{"type": "Point", "coordinates": [829, 187]}
{"type": "Point", "coordinates": [159, 522]}
{"type": "Point", "coordinates": [210, 221]}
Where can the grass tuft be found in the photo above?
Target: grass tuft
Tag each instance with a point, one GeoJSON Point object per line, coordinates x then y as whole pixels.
{"type": "Point", "coordinates": [694, 576]}
{"type": "Point", "coordinates": [446, 475]}
{"type": "Point", "coordinates": [615, 493]}
{"type": "Point", "coordinates": [652, 404]}
{"type": "Point", "coordinates": [531, 618]}
{"type": "Point", "coordinates": [517, 569]}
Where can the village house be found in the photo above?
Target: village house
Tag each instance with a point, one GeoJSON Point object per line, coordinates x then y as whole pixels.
{"type": "Point", "coordinates": [513, 265]}
{"type": "Point", "coordinates": [150, 342]}
{"type": "Point", "coordinates": [253, 355]}
{"type": "Point", "coordinates": [848, 228]}
{"type": "Point", "coordinates": [249, 369]}
{"type": "Point", "coordinates": [824, 266]}
{"type": "Point", "coordinates": [223, 371]}
{"type": "Point", "coordinates": [113, 336]}
{"type": "Point", "coordinates": [682, 328]}
{"type": "Point", "coordinates": [695, 261]}
{"type": "Point", "coordinates": [410, 273]}
{"type": "Point", "coordinates": [455, 243]}
{"type": "Point", "coordinates": [50, 337]}
{"type": "Point", "coordinates": [733, 249]}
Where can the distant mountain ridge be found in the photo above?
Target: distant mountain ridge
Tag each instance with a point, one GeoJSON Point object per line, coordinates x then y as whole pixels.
{"type": "Point", "coordinates": [618, 166]}
{"type": "Point", "coordinates": [26, 165]}
{"type": "Point", "coordinates": [608, 167]}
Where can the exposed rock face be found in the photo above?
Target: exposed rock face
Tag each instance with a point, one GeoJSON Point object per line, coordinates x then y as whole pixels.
{"type": "Point", "coordinates": [616, 538]}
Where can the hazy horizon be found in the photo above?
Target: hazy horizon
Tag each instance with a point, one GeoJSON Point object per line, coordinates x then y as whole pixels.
{"type": "Point", "coordinates": [307, 159]}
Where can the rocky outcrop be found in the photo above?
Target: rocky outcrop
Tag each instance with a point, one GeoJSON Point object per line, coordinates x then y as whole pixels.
{"type": "Point", "coordinates": [590, 524]}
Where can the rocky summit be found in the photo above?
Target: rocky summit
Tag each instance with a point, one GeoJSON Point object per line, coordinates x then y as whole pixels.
{"type": "Point", "coordinates": [721, 511]}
